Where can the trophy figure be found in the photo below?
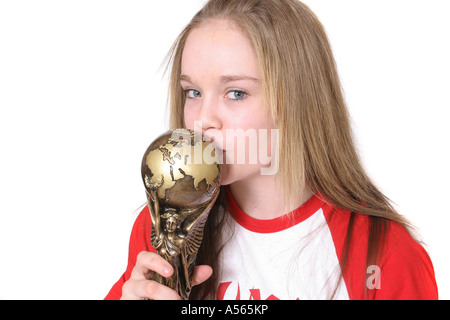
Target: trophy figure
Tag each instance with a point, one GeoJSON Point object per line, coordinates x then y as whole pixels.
{"type": "Point", "coordinates": [181, 173]}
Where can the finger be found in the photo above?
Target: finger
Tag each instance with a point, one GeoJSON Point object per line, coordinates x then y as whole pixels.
{"type": "Point", "coordinates": [153, 290]}
{"type": "Point", "coordinates": [129, 291]}
{"type": "Point", "coordinates": [156, 291]}
{"type": "Point", "coordinates": [201, 274]}
{"type": "Point", "coordinates": [149, 261]}
{"type": "Point", "coordinates": [148, 289]}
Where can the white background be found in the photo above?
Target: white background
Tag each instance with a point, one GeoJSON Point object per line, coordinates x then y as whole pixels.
{"type": "Point", "coordinates": [82, 95]}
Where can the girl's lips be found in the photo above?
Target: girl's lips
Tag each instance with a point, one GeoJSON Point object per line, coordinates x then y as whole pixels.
{"type": "Point", "coordinates": [221, 155]}
{"type": "Point", "coordinates": [216, 137]}
{"type": "Point", "coordinates": [218, 140]}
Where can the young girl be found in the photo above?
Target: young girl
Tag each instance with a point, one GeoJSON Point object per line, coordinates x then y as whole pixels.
{"type": "Point", "coordinates": [317, 228]}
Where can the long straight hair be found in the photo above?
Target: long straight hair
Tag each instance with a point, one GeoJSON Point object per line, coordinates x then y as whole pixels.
{"type": "Point", "coordinates": [303, 95]}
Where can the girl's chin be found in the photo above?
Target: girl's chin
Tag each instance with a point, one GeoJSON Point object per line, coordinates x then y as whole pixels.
{"type": "Point", "coordinates": [231, 173]}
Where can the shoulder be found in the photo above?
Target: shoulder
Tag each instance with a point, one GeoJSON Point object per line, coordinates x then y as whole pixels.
{"type": "Point", "coordinates": [405, 270]}
{"type": "Point", "coordinates": [139, 241]}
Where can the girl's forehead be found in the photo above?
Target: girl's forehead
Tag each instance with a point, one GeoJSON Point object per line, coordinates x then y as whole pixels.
{"type": "Point", "coordinates": [219, 47]}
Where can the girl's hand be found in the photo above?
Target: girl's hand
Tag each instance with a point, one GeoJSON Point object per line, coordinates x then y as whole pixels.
{"type": "Point", "coordinates": [142, 286]}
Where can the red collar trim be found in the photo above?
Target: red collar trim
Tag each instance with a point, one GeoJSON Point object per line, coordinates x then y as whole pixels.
{"type": "Point", "coordinates": [284, 222]}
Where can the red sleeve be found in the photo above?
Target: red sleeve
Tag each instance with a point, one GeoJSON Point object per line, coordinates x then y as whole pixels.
{"type": "Point", "coordinates": [139, 241]}
{"type": "Point", "coordinates": [405, 271]}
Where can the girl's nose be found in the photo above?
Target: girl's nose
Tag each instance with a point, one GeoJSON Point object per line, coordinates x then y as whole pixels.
{"type": "Point", "coordinates": [209, 114]}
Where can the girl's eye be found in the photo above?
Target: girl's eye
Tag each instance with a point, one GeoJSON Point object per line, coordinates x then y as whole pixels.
{"type": "Point", "coordinates": [236, 95]}
{"type": "Point", "coordinates": [191, 93]}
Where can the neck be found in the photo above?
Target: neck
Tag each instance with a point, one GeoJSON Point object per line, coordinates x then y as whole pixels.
{"type": "Point", "coordinates": [262, 198]}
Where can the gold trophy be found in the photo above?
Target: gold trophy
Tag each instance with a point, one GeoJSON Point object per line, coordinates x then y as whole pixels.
{"type": "Point", "coordinates": [181, 173]}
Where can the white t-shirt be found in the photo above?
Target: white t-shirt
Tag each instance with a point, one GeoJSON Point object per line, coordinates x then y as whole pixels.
{"type": "Point", "coordinates": [296, 256]}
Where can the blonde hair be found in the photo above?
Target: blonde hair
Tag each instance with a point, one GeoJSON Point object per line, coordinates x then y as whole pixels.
{"type": "Point", "coordinates": [302, 93]}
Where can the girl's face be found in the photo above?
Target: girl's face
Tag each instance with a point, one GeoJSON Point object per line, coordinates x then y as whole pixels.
{"type": "Point", "coordinates": [221, 79]}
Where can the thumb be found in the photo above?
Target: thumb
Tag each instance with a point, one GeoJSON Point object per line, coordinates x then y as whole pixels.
{"type": "Point", "coordinates": [201, 274]}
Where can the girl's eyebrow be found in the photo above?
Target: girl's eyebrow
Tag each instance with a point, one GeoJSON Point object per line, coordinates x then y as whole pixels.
{"type": "Point", "coordinates": [231, 78]}
{"type": "Point", "coordinates": [224, 79]}
{"type": "Point", "coordinates": [186, 78]}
